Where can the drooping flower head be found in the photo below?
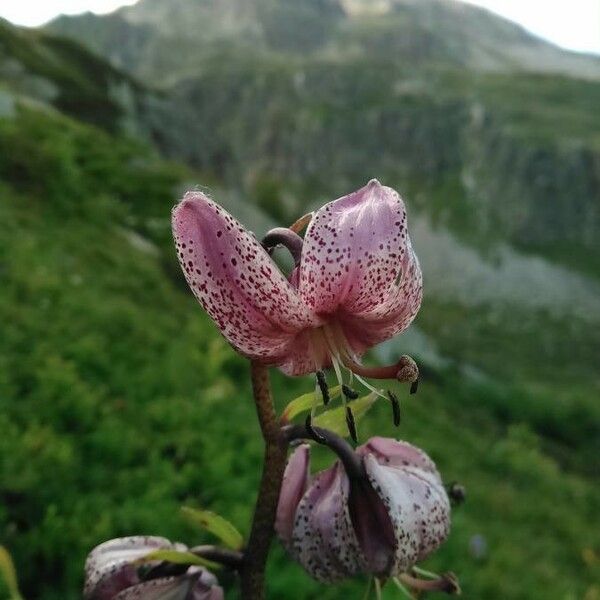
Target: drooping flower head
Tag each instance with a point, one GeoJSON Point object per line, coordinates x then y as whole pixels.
{"type": "Point", "coordinates": [111, 573]}
{"type": "Point", "coordinates": [338, 524]}
{"type": "Point", "coordinates": [357, 281]}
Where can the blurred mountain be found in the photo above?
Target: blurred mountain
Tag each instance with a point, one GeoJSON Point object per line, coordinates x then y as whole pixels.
{"type": "Point", "coordinates": [496, 131]}
{"type": "Point", "coordinates": [162, 41]}
{"type": "Point", "coordinates": [55, 72]}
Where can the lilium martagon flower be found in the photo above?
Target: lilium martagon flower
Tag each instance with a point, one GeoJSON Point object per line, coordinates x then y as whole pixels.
{"type": "Point", "coordinates": [356, 282]}
{"type": "Point", "coordinates": [379, 515]}
{"type": "Point", "coordinates": [113, 572]}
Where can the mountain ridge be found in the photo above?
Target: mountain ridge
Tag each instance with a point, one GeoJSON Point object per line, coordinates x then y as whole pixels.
{"type": "Point", "coordinates": [445, 31]}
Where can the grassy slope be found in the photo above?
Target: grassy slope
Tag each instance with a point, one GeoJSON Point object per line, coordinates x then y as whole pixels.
{"type": "Point", "coordinates": [119, 401]}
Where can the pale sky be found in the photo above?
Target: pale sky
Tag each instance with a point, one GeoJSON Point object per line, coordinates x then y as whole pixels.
{"type": "Point", "coordinates": [573, 24]}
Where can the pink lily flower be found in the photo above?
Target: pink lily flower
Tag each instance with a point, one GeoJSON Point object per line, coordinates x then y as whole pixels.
{"type": "Point", "coordinates": [338, 524]}
{"type": "Point", "coordinates": [357, 282]}
{"type": "Point", "coordinates": [111, 573]}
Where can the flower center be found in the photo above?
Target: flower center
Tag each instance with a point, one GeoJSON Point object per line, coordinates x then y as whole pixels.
{"type": "Point", "coordinates": [329, 347]}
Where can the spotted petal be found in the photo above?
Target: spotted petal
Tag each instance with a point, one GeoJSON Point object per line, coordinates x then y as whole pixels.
{"type": "Point", "coordinates": [397, 453]}
{"type": "Point", "coordinates": [324, 541]}
{"type": "Point", "coordinates": [196, 584]}
{"type": "Point", "coordinates": [237, 283]}
{"type": "Point", "coordinates": [295, 482]}
{"type": "Point", "coordinates": [353, 251]}
{"type": "Point", "coordinates": [108, 568]}
{"type": "Point", "coordinates": [417, 505]}
{"type": "Point", "coordinates": [384, 321]}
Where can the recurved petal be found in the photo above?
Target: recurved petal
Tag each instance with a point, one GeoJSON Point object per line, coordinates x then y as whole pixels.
{"type": "Point", "coordinates": [121, 577]}
{"type": "Point", "coordinates": [196, 584]}
{"type": "Point", "coordinates": [418, 507]}
{"type": "Point", "coordinates": [235, 280]}
{"type": "Point", "coordinates": [353, 251]}
{"type": "Point", "coordinates": [295, 482]}
{"type": "Point", "coordinates": [324, 541]}
{"type": "Point", "coordinates": [108, 569]}
{"type": "Point", "coordinates": [390, 317]}
{"type": "Point", "coordinates": [396, 453]}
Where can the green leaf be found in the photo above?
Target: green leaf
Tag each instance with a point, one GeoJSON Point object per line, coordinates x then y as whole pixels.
{"type": "Point", "coordinates": [9, 574]}
{"type": "Point", "coordinates": [335, 419]}
{"type": "Point", "coordinates": [217, 525]}
{"type": "Point", "coordinates": [306, 402]}
{"type": "Point", "coordinates": [179, 558]}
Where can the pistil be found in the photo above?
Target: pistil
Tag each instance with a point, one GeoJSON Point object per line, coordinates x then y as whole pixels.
{"type": "Point", "coordinates": [405, 370]}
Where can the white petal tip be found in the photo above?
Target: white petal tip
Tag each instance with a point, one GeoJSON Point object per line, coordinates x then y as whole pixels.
{"type": "Point", "coordinates": [373, 183]}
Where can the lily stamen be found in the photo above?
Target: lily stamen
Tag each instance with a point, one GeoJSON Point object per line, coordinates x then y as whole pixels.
{"type": "Point", "coordinates": [371, 388]}
{"type": "Point", "coordinates": [351, 424]}
{"type": "Point", "coordinates": [322, 384]}
{"type": "Point", "coordinates": [349, 392]}
{"type": "Point", "coordinates": [395, 407]}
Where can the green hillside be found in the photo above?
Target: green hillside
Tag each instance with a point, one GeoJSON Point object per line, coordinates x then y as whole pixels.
{"type": "Point", "coordinates": [119, 401]}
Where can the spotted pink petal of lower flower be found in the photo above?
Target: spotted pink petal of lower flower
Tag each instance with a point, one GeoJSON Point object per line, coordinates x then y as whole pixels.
{"type": "Point", "coordinates": [295, 482]}
{"type": "Point", "coordinates": [396, 453]}
{"type": "Point", "coordinates": [237, 283]}
{"type": "Point", "coordinates": [197, 584]}
{"type": "Point", "coordinates": [353, 251]}
{"type": "Point", "coordinates": [324, 541]}
{"type": "Point", "coordinates": [417, 505]}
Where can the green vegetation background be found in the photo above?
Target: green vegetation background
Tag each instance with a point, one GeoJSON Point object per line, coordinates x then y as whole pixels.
{"type": "Point", "coordinates": [120, 402]}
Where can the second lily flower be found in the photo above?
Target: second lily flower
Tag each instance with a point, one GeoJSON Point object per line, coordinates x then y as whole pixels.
{"type": "Point", "coordinates": [381, 521]}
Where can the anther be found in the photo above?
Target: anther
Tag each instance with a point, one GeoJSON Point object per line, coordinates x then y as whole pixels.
{"type": "Point", "coordinates": [349, 392]}
{"type": "Point", "coordinates": [314, 434]}
{"type": "Point", "coordinates": [395, 407]}
{"type": "Point", "coordinates": [351, 423]}
{"type": "Point", "coordinates": [322, 382]}
{"type": "Point", "coordinates": [457, 492]}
